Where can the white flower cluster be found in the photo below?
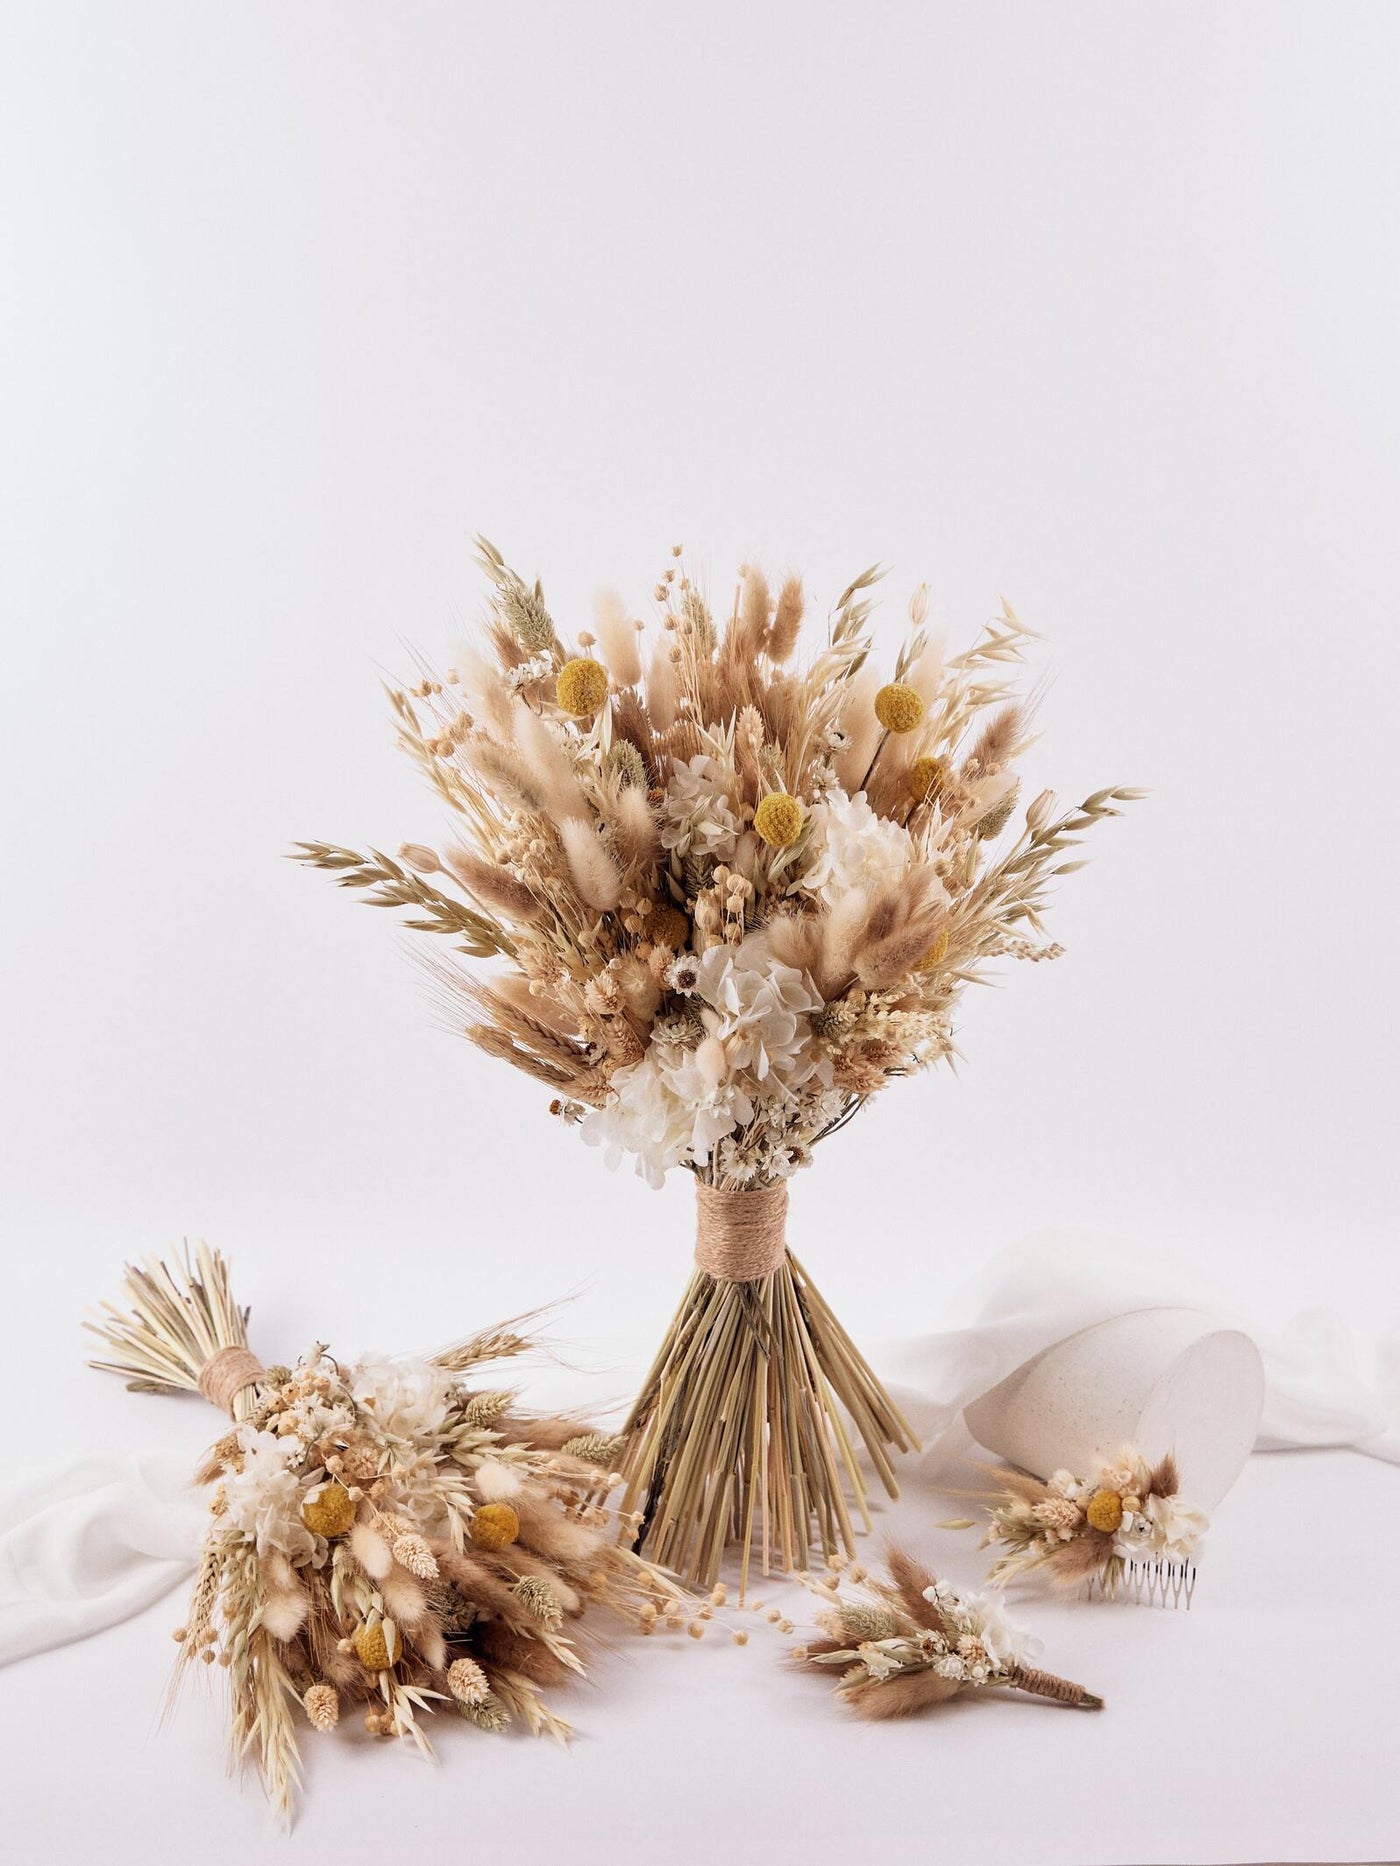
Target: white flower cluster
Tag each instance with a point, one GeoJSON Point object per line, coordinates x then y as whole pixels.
{"type": "Point", "coordinates": [852, 847]}
{"type": "Point", "coordinates": [263, 1500]}
{"type": "Point", "coordinates": [750, 1054]}
{"type": "Point", "coordinates": [982, 1642]}
{"type": "Point", "coordinates": [1151, 1525]}
{"type": "Point", "coordinates": [697, 817]}
{"type": "Point", "coordinates": [279, 1463]}
{"type": "Point", "coordinates": [409, 1398]}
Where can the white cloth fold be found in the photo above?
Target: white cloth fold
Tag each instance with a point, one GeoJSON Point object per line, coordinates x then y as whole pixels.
{"type": "Point", "coordinates": [87, 1544]}
{"type": "Point", "coordinates": [1324, 1387]}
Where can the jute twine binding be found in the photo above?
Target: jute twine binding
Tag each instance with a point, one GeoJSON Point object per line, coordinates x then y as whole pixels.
{"type": "Point", "coordinates": [740, 1236]}
{"type": "Point", "coordinates": [225, 1374]}
{"type": "Point", "coordinates": [1047, 1685]}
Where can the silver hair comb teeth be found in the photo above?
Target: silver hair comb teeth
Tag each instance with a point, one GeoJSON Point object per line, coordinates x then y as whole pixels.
{"type": "Point", "coordinates": [1154, 1583]}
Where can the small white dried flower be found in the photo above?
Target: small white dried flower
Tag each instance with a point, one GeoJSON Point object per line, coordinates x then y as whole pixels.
{"type": "Point", "coordinates": [412, 1552]}
{"type": "Point", "coordinates": [467, 1682]}
{"type": "Point", "coordinates": [322, 1706]}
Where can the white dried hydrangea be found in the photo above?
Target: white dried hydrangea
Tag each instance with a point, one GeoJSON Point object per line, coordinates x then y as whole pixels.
{"type": "Point", "coordinates": [263, 1500]}
{"type": "Point", "coordinates": [409, 1398]}
{"type": "Point", "coordinates": [697, 817]}
{"type": "Point", "coordinates": [754, 1048]}
{"type": "Point", "coordinates": [852, 847]}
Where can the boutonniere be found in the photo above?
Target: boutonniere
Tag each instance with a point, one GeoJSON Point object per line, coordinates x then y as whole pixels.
{"type": "Point", "coordinates": [914, 1641]}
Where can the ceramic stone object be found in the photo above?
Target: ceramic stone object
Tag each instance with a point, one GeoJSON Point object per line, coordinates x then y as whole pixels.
{"type": "Point", "coordinates": [1163, 1379]}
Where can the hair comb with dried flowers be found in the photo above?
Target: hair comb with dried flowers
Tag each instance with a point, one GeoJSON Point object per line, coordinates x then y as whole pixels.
{"type": "Point", "coordinates": [382, 1533]}
{"type": "Point", "coordinates": [915, 1642]}
{"type": "Point", "coordinates": [1123, 1534]}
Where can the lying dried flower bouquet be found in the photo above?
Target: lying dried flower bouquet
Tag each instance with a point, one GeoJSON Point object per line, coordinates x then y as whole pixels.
{"type": "Point", "coordinates": [729, 896]}
{"type": "Point", "coordinates": [382, 1533]}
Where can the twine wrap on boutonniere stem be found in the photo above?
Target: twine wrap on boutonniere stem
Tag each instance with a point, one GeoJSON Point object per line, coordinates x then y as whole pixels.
{"type": "Point", "coordinates": [742, 1431]}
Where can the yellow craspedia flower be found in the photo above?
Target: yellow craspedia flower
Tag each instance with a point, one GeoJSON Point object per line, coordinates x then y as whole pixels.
{"type": "Point", "coordinates": [668, 926]}
{"type": "Point", "coordinates": [898, 707]}
{"type": "Point", "coordinates": [927, 776]}
{"type": "Point", "coordinates": [936, 953]}
{"type": "Point", "coordinates": [1105, 1511]}
{"type": "Point", "coordinates": [377, 1647]}
{"type": "Point", "coordinates": [582, 687]}
{"type": "Point", "coordinates": [330, 1512]}
{"type": "Point", "coordinates": [778, 819]}
{"type": "Point", "coordinates": [495, 1526]}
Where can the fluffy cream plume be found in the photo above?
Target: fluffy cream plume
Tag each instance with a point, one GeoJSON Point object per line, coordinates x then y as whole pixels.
{"type": "Point", "coordinates": [787, 620]}
{"type": "Point", "coordinates": [748, 630]}
{"type": "Point", "coordinates": [887, 961]}
{"type": "Point", "coordinates": [432, 1645]}
{"type": "Point", "coordinates": [617, 637]}
{"type": "Point", "coordinates": [857, 720]}
{"type": "Point", "coordinates": [497, 1482]}
{"type": "Point", "coordinates": [404, 1599]}
{"type": "Point", "coordinates": [841, 930]}
{"type": "Point", "coordinates": [493, 887]}
{"type": "Point", "coordinates": [284, 1613]}
{"type": "Point", "coordinates": [551, 769]}
{"type": "Point", "coordinates": [636, 834]}
{"type": "Point", "coordinates": [489, 699]}
{"type": "Point", "coordinates": [662, 693]}
{"type": "Point", "coordinates": [925, 675]}
{"type": "Point", "coordinates": [592, 868]}
{"type": "Point", "coordinates": [999, 740]}
{"type": "Point", "coordinates": [371, 1551]}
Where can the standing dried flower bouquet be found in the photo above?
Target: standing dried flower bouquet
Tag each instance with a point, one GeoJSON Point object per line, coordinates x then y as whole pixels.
{"type": "Point", "coordinates": [731, 897]}
{"type": "Point", "coordinates": [382, 1533]}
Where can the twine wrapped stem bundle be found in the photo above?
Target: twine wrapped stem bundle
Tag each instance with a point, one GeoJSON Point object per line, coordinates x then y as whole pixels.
{"type": "Point", "coordinates": [745, 1429]}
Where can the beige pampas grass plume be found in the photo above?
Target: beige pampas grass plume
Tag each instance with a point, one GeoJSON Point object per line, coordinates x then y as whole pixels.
{"type": "Point", "coordinates": [496, 1482]}
{"type": "Point", "coordinates": [787, 620]}
{"type": "Point", "coordinates": [594, 875]}
{"type": "Point", "coordinates": [371, 1551]}
{"type": "Point", "coordinates": [857, 720]}
{"type": "Point", "coordinates": [662, 691]}
{"type": "Point", "coordinates": [634, 826]}
{"type": "Point", "coordinates": [403, 1598]}
{"type": "Point", "coordinates": [550, 767]}
{"type": "Point", "coordinates": [491, 886]}
{"type": "Point", "coordinates": [489, 699]}
{"type": "Point", "coordinates": [617, 637]}
{"type": "Point", "coordinates": [284, 1614]}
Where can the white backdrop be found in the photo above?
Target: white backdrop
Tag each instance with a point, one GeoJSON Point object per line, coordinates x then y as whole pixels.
{"type": "Point", "coordinates": [1092, 306]}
